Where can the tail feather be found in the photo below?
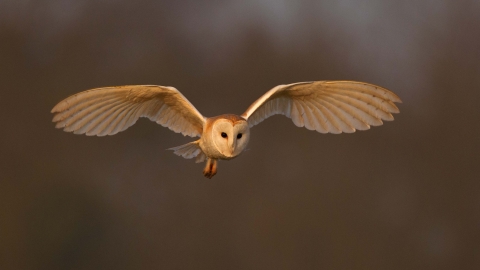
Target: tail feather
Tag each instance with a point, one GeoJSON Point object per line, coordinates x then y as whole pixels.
{"type": "Point", "coordinates": [190, 150]}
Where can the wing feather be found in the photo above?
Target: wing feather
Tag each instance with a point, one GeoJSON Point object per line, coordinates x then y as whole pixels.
{"type": "Point", "coordinates": [342, 118]}
{"type": "Point", "coordinates": [297, 115]}
{"type": "Point", "coordinates": [366, 112]}
{"type": "Point", "coordinates": [70, 118]}
{"type": "Point", "coordinates": [109, 110]}
{"type": "Point", "coordinates": [376, 101]}
{"type": "Point", "coordinates": [335, 116]}
{"type": "Point", "coordinates": [327, 106]}
{"type": "Point", "coordinates": [362, 87]}
{"type": "Point", "coordinates": [77, 108]}
{"type": "Point", "coordinates": [131, 117]}
{"type": "Point", "coordinates": [110, 123]}
{"type": "Point", "coordinates": [99, 123]}
{"type": "Point", "coordinates": [311, 116]}
{"type": "Point", "coordinates": [351, 113]}
{"type": "Point", "coordinates": [332, 122]}
{"type": "Point", "coordinates": [91, 125]}
{"type": "Point", "coordinates": [122, 119]}
{"type": "Point", "coordinates": [322, 126]}
{"type": "Point", "coordinates": [325, 115]}
{"type": "Point", "coordinates": [307, 116]}
{"type": "Point", "coordinates": [89, 115]}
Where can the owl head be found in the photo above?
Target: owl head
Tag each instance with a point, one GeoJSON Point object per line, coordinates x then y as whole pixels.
{"type": "Point", "coordinates": [230, 135]}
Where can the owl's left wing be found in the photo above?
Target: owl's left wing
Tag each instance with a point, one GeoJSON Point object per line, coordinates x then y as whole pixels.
{"type": "Point", "coordinates": [326, 106]}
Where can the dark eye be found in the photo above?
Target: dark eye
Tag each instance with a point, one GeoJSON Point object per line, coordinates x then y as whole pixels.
{"type": "Point", "coordinates": [239, 135]}
{"type": "Point", "coordinates": [224, 135]}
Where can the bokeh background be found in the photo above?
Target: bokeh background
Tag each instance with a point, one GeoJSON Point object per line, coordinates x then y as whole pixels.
{"type": "Point", "coordinates": [405, 195]}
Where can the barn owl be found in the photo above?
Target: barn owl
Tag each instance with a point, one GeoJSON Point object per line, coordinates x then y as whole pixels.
{"type": "Point", "coordinates": [324, 106]}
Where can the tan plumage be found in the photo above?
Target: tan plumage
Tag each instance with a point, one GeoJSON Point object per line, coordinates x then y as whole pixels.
{"type": "Point", "coordinates": [324, 106]}
{"type": "Point", "coordinates": [109, 110]}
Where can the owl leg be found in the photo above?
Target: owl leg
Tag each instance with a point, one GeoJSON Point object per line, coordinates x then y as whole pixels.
{"type": "Point", "coordinates": [210, 168]}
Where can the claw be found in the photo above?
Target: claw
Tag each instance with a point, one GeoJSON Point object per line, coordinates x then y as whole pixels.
{"type": "Point", "coordinates": [210, 168]}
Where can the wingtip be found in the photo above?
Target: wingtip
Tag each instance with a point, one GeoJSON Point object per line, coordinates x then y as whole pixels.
{"type": "Point", "coordinates": [55, 109]}
{"type": "Point", "coordinates": [59, 107]}
{"type": "Point", "coordinates": [394, 97]}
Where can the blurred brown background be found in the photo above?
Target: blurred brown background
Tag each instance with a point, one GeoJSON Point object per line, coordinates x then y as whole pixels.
{"type": "Point", "coordinates": [405, 195]}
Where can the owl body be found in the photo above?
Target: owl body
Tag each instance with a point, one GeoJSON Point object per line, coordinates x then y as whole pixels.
{"type": "Point", "coordinates": [323, 106]}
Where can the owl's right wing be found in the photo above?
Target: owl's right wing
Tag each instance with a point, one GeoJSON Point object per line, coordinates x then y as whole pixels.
{"type": "Point", "coordinates": [326, 106]}
{"type": "Point", "coordinates": [109, 110]}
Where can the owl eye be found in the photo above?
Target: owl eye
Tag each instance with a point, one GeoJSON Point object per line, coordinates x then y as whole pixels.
{"type": "Point", "coordinates": [224, 135]}
{"type": "Point", "coordinates": [239, 135]}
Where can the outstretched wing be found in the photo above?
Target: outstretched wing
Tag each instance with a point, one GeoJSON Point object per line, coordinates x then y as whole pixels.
{"type": "Point", "coordinates": [109, 110]}
{"type": "Point", "coordinates": [326, 106]}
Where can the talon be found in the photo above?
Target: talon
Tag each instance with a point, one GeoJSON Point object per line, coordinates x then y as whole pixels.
{"type": "Point", "coordinates": [210, 168]}
{"type": "Point", "coordinates": [206, 172]}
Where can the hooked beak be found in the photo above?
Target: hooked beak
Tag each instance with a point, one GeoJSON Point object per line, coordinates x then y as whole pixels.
{"type": "Point", "coordinates": [231, 146]}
